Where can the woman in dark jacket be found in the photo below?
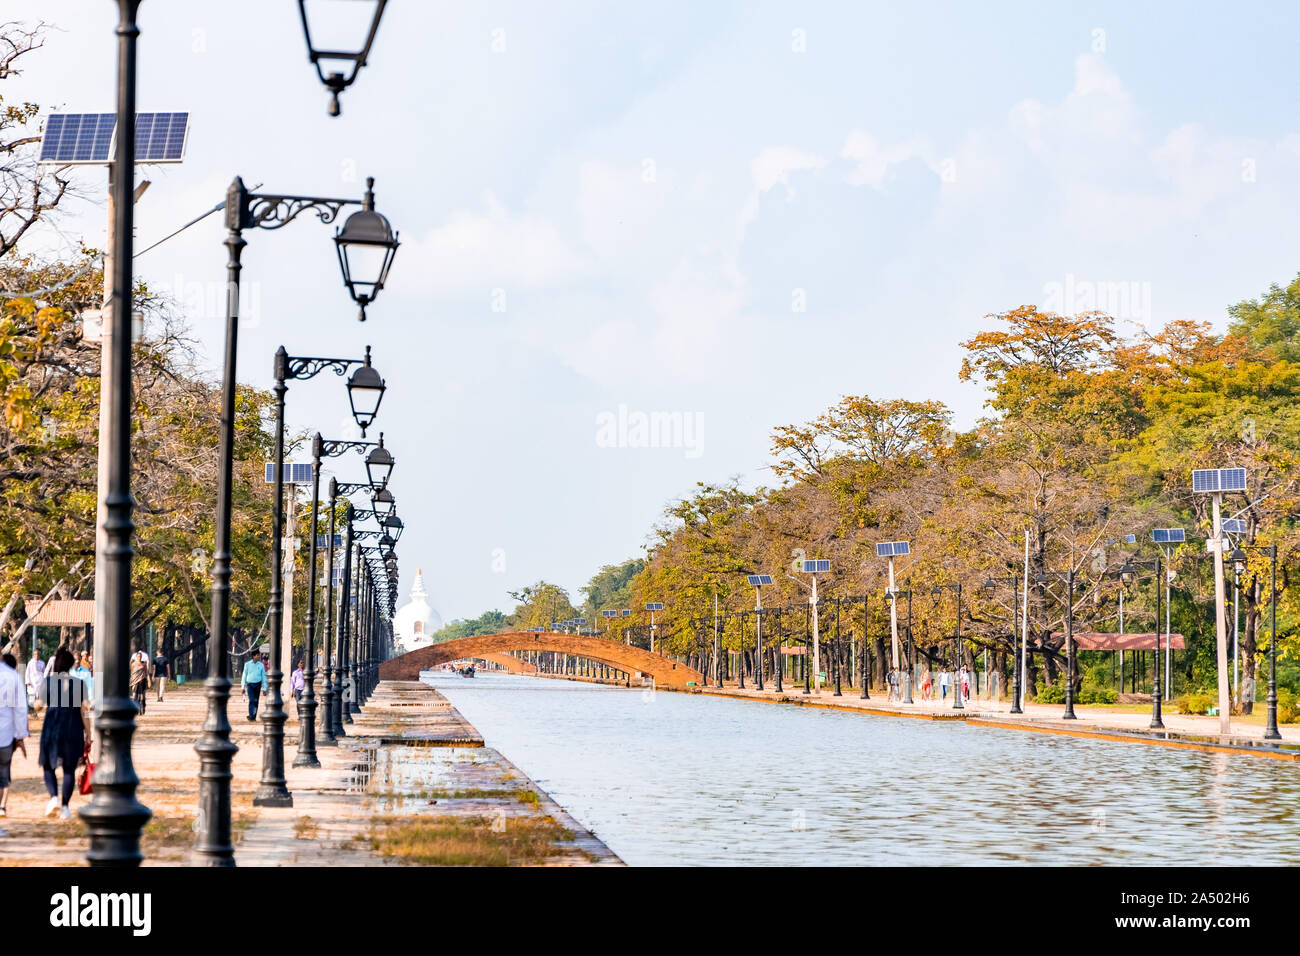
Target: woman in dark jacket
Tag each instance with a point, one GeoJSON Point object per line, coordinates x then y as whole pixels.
{"type": "Point", "coordinates": [64, 732]}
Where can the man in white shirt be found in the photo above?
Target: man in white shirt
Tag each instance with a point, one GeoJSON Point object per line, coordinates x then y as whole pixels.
{"type": "Point", "coordinates": [13, 724]}
{"type": "Point", "coordinates": [35, 674]}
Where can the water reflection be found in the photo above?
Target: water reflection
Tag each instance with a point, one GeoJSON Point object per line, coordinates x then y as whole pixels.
{"type": "Point", "coordinates": [681, 779]}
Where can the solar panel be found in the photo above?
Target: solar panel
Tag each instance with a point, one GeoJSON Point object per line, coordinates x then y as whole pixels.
{"type": "Point", "coordinates": [1168, 535]}
{"type": "Point", "coordinates": [818, 566]}
{"type": "Point", "coordinates": [1131, 538]}
{"type": "Point", "coordinates": [579, 620]}
{"type": "Point", "coordinates": [1205, 480]}
{"type": "Point", "coordinates": [1232, 479]}
{"type": "Point", "coordinates": [759, 580]}
{"type": "Point", "coordinates": [626, 612]}
{"type": "Point", "coordinates": [72, 138]}
{"type": "Point", "coordinates": [654, 606]}
{"type": "Point", "coordinates": [1208, 480]}
{"type": "Point", "coordinates": [294, 473]}
{"type": "Point", "coordinates": [322, 540]}
{"type": "Point", "coordinates": [1234, 525]}
{"type": "Point", "coordinates": [609, 613]}
{"type": "Point", "coordinates": [889, 549]}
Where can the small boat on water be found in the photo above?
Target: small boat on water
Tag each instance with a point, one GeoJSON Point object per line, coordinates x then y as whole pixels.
{"type": "Point", "coordinates": [467, 671]}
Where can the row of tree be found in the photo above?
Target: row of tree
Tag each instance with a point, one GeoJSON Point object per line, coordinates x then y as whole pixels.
{"type": "Point", "coordinates": [1090, 435]}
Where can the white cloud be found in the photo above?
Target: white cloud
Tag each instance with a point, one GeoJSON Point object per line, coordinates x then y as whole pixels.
{"type": "Point", "coordinates": [480, 250]}
{"type": "Point", "coordinates": [871, 159]}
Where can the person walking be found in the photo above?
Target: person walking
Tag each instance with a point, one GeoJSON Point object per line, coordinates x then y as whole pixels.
{"type": "Point", "coordinates": [13, 725]}
{"type": "Point", "coordinates": [252, 682]}
{"type": "Point", "coordinates": [945, 679]}
{"type": "Point", "coordinates": [160, 668]}
{"type": "Point", "coordinates": [296, 684]}
{"type": "Point", "coordinates": [65, 730]}
{"type": "Point", "coordinates": [927, 684]}
{"type": "Point", "coordinates": [139, 679]}
{"type": "Point", "coordinates": [34, 674]}
{"type": "Point", "coordinates": [86, 672]}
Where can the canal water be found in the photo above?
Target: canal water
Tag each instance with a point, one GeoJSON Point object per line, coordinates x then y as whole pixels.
{"type": "Point", "coordinates": [668, 779]}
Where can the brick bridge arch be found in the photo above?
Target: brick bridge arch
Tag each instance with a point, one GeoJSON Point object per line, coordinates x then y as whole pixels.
{"type": "Point", "coordinates": [665, 671]}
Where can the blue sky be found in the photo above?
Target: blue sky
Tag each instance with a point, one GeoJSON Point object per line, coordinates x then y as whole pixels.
{"type": "Point", "coordinates": [729, 213]}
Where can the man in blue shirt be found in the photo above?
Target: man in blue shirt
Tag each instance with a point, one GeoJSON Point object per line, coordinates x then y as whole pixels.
{"type": "Point", "coordinates": [253, 681]}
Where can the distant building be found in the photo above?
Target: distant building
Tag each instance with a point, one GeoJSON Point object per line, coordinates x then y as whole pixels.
{"type": "Point", "coordinates": [416, 620]}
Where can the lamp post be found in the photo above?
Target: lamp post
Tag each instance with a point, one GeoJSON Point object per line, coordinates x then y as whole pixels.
{"type": "Point", "coordinates": [1128, 574]}
{"type": "Point", "coordinates": [758, 582]}
{"type": "Point", "coordinates": [336, 80]}
{"type": "Point", "coordinates": [652, 607]}
{"type": "Point", "coordinates": [114, 816]}
{"type": "Point", "coordinates": [990, 585]}
{"type": "Point", "coordinates": [364, 394]}
{"type": "Point", "coordinates": [244, 211]}
{"type": "Point", "coordinates": [890, 550]}
{"type": "Point", "coordinates": [1042, 579]}
{"type": "Point", "coordinates": [1239, 558]}
{"type": "Point", "coordinates": [956, 697]}
{"type": "Point", "coordinates": [864, 662]}
{"type": "Point", "coordinates": [321, 448]}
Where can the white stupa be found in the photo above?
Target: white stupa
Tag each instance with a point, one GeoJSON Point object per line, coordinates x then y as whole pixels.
{"type": "Point", "coordinates": [415, 621]}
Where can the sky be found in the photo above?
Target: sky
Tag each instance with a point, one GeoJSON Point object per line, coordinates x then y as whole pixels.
{"type": "Point", "coordinates": [636, 237]}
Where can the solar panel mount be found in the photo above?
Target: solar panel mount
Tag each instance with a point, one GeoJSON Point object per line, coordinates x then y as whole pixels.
{"type": "Point", "coordinates": [72, 139]}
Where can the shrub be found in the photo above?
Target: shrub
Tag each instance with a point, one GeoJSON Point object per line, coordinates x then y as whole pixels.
{"type": "Point", "coordinates": [1194, 703]}
{"type": "Point", "coordinates": [1288, 707]}
{"type": "Point", "coordinates": [1053, 694]}
{"type": "Point", "coordinates": [1097, 695]}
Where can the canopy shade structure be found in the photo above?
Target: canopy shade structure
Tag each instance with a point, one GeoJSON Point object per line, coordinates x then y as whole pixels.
{"type": "Point", "coordinates": [1094, 641]}
{"type": "Point", "coordinates": [64, 614]}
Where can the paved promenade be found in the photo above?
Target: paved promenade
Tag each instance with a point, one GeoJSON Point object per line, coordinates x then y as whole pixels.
{"type": "Point", "coordinates": [413, 783]}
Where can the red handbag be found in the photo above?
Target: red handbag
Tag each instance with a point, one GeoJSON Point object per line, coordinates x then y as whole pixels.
{"type": "Point", "coordinates": [87, 772]}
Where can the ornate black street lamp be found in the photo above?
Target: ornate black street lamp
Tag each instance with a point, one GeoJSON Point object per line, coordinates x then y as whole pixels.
{"type": "Point", "coordinates": [1128, 574]}
{"type": "Point", "coordinates": [320, 449]}
{"type": "Point", "coordinates": [956, 698]}
{"type": "Point", "coordinates": [1239, 559]}
{"type": "Point", "coordinates": [365, 391]}
{"type": "Point", "coordinates": [383, 503]}
{"type": "Point", "coordinates": [273, 789]}
{"type": "Point", "coordinates": [894, 596]}
{"type": "Point", "coordinates": [338, 69]}
{"type": "Point", "coordinates": [366, 245]}
{"type": "Point", "coordinates": [244, 210]}
{"type": "Point", "coordinates": [1041, 579]}
{"type": "Point", "coordinates": [990, 585]}
{"type": "Point", "coordinates": [114, 816]}
{"type": "Point", "coordinates": [379, 464]}
{"type": "Point", "coordinates": [393, 527]}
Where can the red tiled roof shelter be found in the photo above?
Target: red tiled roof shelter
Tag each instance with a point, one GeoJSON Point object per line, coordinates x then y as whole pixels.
{"type": "Point", "coordinates": [74, 613]}
{"type": "Point", "coordinates": [1097, 641]}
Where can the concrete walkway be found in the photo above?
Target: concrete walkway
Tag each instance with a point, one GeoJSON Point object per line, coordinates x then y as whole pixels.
{"type": "Point", "coordinates": [434, 766]}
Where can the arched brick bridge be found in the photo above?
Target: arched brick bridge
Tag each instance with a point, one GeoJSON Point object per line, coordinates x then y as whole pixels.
{"type": "Point", "coordinates": [665, 671]}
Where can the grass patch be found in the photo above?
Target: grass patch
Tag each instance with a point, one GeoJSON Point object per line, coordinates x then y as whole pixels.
{"type": "Point", "coordinates": [166, 831]}
{"type": "Point", "coordinates": [472, 841]}
{"type": "Point", "coordinates": [304, 828]}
